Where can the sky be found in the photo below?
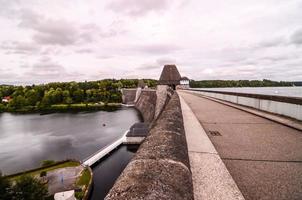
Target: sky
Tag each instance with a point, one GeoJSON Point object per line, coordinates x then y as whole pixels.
{"type": "Point", "coordinates": [61, 40]}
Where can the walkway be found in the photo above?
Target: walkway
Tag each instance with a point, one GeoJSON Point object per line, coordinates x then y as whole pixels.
{"type": "Point", "coordinates": [263, 157]}
{"type": "Point", "coordinates": [104, 151]}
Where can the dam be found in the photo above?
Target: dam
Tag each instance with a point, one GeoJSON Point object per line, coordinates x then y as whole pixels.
{"type": "Point", "coordinates": [209, 145]}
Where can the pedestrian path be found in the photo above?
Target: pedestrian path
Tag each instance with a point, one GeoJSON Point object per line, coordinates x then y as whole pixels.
{"type": "Point", "coordinates": [211, 179]}
{"type": "Point", "coordinates": [263, 157]}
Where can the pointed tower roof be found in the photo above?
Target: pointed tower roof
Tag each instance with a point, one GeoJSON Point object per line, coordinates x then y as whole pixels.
{"type": "Point", "coordinates": [170, 76]}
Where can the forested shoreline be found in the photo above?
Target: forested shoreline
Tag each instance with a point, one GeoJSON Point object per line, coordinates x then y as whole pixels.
{"type": "Point", "coordinates": [95, 95]}
{"type": "Point", "coordinates": [66, 96]}
{"type": "Point", "coordinates": [238, 83]}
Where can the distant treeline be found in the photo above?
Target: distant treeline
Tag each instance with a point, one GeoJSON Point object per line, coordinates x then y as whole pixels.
{"type": "Point", "coordinates": [42, 97]}
{"type": "Point", "coordinates": [297, 83]}
{"type": "Point", "coordinates": [238, 83]}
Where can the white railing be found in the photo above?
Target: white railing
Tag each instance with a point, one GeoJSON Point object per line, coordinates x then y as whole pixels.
{"type": "Point", "coordinates": [290, 106]}
{"type": "Point", "coordinates": [104, 151]}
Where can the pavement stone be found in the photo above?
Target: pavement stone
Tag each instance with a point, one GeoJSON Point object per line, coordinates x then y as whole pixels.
{"type": "Point", "coordinates": [263, 157]}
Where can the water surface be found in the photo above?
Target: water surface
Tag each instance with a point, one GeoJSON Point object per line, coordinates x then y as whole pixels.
{"type": "Point", "coordinates": [108, 169]}
{"type": "Point", "coordinates": [27, 139]}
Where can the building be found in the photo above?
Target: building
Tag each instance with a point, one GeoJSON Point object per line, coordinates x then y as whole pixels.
{"type": "Point", "coordinates": [6, 99]}
{"type": "Point", "coordinates": [170, 76]}
{"type": "Point", "coordinates": [184, 82]}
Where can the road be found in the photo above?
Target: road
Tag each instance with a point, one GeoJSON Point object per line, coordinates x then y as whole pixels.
{"type": "Point", "coordinates": [263, 157]}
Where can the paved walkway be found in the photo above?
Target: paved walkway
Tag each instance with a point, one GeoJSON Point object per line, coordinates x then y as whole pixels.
{"type": "Point", "coordinates": [211, 179]}
{"type": "Point", "coordinates": [263, 157]}
{"type": "Point", "coordinates": [63, 179]}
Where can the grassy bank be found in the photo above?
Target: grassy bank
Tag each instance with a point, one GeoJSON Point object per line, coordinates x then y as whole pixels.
{"type": "Point", "coordinates": [37, 171]}
{"type": "Point", "coordinates": [84, 182]}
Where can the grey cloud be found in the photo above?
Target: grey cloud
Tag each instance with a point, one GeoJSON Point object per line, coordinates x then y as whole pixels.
{"type": "Point", "coordinates": [165, 61]}
{"type": "Point", "coordinates": [48, 31]}
{"type": "Point", "coordinates": [102, 57]}
{"type": "Point", "coordinates": [84, 50]}
{"type": "Point", "coordinates": [6, 74]}
{"type": "Point", "coordinates": [48, 70]}
{"type": "Point", "coordinates": [296, 37]}
{"type": "Point", "coordinates": [137, 7]}
{"type": "Point", "coordinates": [91, 31]}
{"type": "Point", "coordinates": [272, 43]}
{"type": "Point", "coordinates": [157, 64]}
{"type": "Point", "coordinates": [62, 32]}
{"type": "Point", "coordinates": [15, 47]}
{"type": "Point", "coordinates": [148, 67]}
{"type": "Point", "coordinates": [157, 48]}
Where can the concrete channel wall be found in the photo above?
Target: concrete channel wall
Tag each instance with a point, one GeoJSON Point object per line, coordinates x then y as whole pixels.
{"type": "Point", "coordinates": [160, 169]}
{"type": "Point", "coordinates": [287, 106]}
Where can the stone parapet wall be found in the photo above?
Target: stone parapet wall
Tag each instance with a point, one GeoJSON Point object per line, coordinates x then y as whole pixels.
{"type": "Point", "coordinates": [163, 93]}
{"type": "Point", "coordinates": [160, 169]}
{"type": "Point", "coordinates": [146, 104]}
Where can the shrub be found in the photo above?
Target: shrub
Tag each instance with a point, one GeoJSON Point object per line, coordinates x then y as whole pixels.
{"type": "Point", "coordinates": [43, 173]}
{"type": "Point", "coordinates": [46, 163]}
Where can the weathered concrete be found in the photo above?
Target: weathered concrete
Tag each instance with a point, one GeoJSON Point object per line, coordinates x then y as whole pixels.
{"type": "Point", "coordinates": [129, 95]}
{"type": "Point", "coordinates": [146, 105]}
{"type": "Point", "coordinates": [160, 168]}
{"type": "Point", "coordinates": [211, 179]}
{"type": "Point", "coordinates": [162, 93]}
{"type": "Point", "coordinates": [134, 140]}
{"type": "Point", "coordinates": [263, 157]}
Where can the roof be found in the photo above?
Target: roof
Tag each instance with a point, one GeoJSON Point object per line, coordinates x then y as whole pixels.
{"type": "Point", "coordinates": [184, 78]}
{"type": "Point", "coordinates": [169, 75]}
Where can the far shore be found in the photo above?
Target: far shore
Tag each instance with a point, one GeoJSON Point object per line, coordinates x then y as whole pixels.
{"type": "Point", "coordinates": [65, 108]}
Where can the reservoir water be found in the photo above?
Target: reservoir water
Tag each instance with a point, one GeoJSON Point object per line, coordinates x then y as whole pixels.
{"type": "Point", "coordinates": [27, 139]}
{"type": "Point", "coordinates": [280, 91]}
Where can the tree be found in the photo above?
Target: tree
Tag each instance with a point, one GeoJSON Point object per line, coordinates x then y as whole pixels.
{"type": "Point", "coordinates": [29, 188]}
{"type": "Point", "coordinates": [32, 96]}
{"type": "Point", "coordinates": [18, 102]}
{"type": "Point", "coordinates": [66, 97]}
{"type": "Point", "coordinates": [78, 95]}
{"type": "Point", "coordinates": [5, 188]}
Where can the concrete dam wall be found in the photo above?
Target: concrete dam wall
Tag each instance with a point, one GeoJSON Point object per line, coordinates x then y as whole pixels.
{"type": "Point", "coordinates": [128, 96]}
{"type": "Point", "coordinates": [160, 169]}
{"type": "Point", "coordinates": [146, 104]}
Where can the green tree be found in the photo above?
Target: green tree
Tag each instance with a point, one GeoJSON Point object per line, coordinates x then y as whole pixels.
{"type": "Point", "coordinates": [78, 96]}
{"type": "Point", "coordinates": [5, 188]}
{"type": "Point", "coordinates": [32, 96]}
{"type": "Point", "coordinates": [29, 188]}
{"type": "Point", "coordinates": [18, 102]}
{"type": "Point", "coordinates": [66, 97]}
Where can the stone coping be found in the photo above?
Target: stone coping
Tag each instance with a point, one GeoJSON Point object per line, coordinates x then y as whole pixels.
{"type": "Point", "coordinates": [160, 169]}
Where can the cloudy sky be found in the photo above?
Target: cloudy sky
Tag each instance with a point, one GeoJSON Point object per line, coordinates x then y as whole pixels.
{"type": "Point", "coordinates": [63, 40]}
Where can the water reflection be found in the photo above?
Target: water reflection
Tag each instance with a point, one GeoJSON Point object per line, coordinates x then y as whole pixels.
{"type": "Point", "coordinates": [25, 140]}
{"type": "Point", "coordinates": [107, 170]}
